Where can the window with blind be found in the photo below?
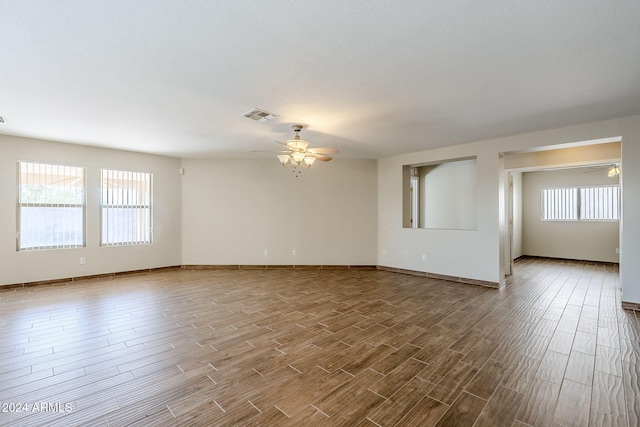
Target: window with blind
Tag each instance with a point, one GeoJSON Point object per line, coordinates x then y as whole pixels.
{"type": "Point", "coordinates": [581, 204]}
{"type": "Point", "coordinates": [600, 203]}
{"type": "Point", "coordinates": [51, 206]}
{"type": "Point", "coordinates": [560, 204]}
{"type": "Point", "coordinates": [126, 199]}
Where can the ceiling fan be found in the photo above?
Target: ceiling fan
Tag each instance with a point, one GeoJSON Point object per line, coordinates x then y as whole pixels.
{"type": "Point", "coordinates": [613, 169]}
{"type": "Point", "coordinates": [299, 154]}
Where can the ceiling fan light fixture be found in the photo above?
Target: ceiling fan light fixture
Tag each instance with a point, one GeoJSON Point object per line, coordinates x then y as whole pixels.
{"type": "Point", "coordinates": [308, 161]}
{"type": "Point", "coordinates": [297, 144]}
{"type": "Point", "coordinates": [613, 171]}
{"type": "Point", "coordinates": [284, 159]}
{"type": "Point", "coordinates": [298, 156]}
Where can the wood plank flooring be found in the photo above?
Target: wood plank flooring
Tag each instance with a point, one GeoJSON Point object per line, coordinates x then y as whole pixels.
{"type": "Point", "coordinates": [322, 347]}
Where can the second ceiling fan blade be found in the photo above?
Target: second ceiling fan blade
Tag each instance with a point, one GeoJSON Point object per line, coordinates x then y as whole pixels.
{"type": "Point", "coordinates": [320, 157]}
{"type": "Point", "coordinates": [324, 150]}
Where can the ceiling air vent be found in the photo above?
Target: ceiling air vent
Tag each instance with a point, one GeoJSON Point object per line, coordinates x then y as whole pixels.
{"type": "Point", "coordinates": [2, 119]}
{"type": "Point", "coordinates": [260, 115]}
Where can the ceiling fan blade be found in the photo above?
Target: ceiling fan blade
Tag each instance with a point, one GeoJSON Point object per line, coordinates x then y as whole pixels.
{"type": "Point", "coordinates": [269, 151]}
{"type": "Point", "coordinates": [324, 150]}
{"type": "Point", "coordinates": [320, 157]}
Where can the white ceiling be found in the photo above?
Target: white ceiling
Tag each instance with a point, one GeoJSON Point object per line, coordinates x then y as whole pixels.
{"type": "Point", "coordinates": [374, 78]}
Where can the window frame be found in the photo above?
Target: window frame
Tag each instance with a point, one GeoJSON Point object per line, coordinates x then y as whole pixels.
{"type": "Point", "coordinates": [578, 200]}
{"type": "Point", "coordinates": [601, 209]}
{"type": "Point", "coordinates": [20, 205]}
{"type": "Point", "coordinates": [137, 207]}
{"type": "Point", "coordinates": [565, 211]}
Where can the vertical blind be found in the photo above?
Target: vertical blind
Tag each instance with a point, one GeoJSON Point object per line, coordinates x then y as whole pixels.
{"type": "Point", "coordinates": [600, 203]}
{"type": "Point", "coordinates": [51, 206]}
{"type": "Point", "coordinates": [560, 204]}
{"type": "Point", "coordinates": [125, 207]}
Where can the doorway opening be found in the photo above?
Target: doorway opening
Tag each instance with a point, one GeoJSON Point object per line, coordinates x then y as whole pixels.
{"type": "Point", "coordinates": [580, 169]}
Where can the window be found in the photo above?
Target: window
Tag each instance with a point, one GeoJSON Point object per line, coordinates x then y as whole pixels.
{"type": "Point", "coordinates": [125, 207]}
{"type": "Point", "coordinates": [51, 206]}
{"type": "Point", "coordinates": [560, 204]}
{"type": "Point", "coordinates": [581, 204]}
{"type": "Point", "coordinates": [600, 203]}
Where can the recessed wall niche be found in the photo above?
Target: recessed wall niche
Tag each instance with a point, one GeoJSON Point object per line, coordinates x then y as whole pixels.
{"type": "Point", "coordinates": [440, 195]}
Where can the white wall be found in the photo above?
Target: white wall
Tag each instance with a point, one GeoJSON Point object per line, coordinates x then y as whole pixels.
{"type": "Point", "coordinates": [448, 195]}
{"type": "Point", "coordinates": [630, 224]}
{"type": "Point", "coordinates": [234, 210]}
{"type": "Point", "coordinates": [583, 240]}
{"type": "Point", "coordinates": [20, 267]}
{"type": "Point", "coordinates": [463, 253]}
{"type": "Point", "coordinates": [476, 254]}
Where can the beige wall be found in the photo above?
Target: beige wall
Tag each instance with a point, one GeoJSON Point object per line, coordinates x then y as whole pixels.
{"type": "Point", "coordinates": [478, 254]}
{"type": "Point", "coordinates": [583, 240]}
{"type": "Point", "coordinates": [463, 253]}
{"type": "Point", "coordinates": [20, 267]}
{"type": "Point", "coordinates": [516, 248]}
{"type": "Point", "coordinates": [594, 151]}
{"type": "Point", "coordinates": [234, 210]}
{"type": "Point", "coordinates": [603, 151]}
{"type": "Point", "coordinates": [448, 195]}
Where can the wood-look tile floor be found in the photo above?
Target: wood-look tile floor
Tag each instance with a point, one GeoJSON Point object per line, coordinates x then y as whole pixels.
{"type": "Point", "coordinates": [327, 347]}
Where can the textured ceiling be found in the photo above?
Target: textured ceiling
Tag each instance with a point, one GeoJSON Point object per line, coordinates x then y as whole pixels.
{"type": "Point", "coordinates": [374, 78]}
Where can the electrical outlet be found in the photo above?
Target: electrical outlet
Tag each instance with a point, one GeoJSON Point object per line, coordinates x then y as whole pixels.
{"type": "Point", "coordinates": [293, 252]}
{"type": "Point", "coordinates": [424, 257]}
{"type": "Point", "coordinates": [617, 250]}
{"type": "Point", "coordinates": [83, 260]}
{"type": "Point", "coordinates": [266, 252]}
